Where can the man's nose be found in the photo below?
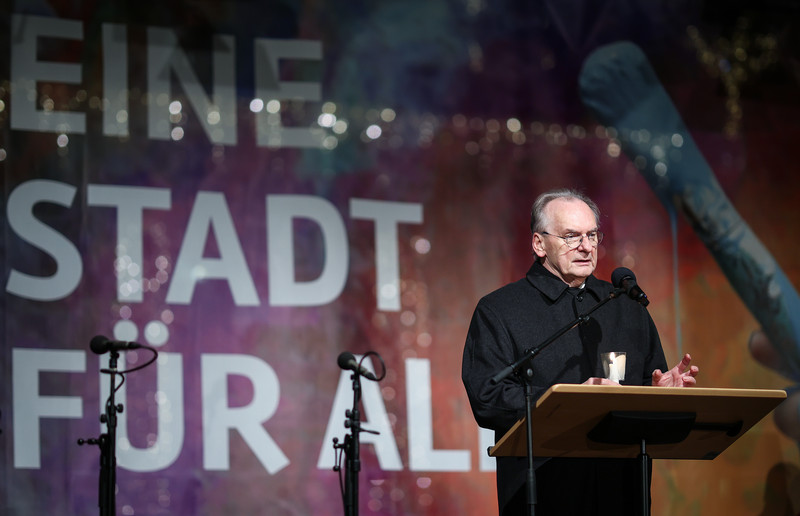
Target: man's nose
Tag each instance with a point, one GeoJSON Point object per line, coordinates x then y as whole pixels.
{"type": "Point", "coordinates": [585, 244]}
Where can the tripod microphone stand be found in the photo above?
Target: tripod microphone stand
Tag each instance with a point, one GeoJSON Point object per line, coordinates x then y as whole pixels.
{"type": "Point", "coordinates": [352, 443]}
{"type": "Point", "coordinates": [107, 442]}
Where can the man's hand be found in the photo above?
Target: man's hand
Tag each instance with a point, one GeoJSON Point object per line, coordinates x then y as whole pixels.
{"type": "Point", "coordinates": [682, 375]}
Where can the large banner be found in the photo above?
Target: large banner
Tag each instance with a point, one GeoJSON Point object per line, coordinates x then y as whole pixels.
{"type": "Point", "coordinates": [252, 190]}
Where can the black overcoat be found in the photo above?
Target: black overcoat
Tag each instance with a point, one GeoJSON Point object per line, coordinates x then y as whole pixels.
{"type": "Point", "coordinates": [524, 314]}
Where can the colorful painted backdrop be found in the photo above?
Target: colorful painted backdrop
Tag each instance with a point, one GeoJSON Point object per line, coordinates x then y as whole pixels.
{"type": "Point", "coordinates": [253, 188]}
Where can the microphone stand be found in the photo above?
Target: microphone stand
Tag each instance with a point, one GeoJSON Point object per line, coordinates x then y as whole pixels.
{"type": "Point", "coordinates": [351, 450]}
{"type": "Point", "coordinates": [514, 368]}
{"type": "Point", "coordinates": [351, 443]}
{"type": "Point", "coordinates": [107, 444]}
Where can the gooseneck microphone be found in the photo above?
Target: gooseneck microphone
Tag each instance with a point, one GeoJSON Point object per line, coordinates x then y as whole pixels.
{"type": "Point", "coordinates": [101, 344]}
{"type": "Point", "coordinates": [624, 278]}
{"type": "Point", "coordinates": [348, 362]}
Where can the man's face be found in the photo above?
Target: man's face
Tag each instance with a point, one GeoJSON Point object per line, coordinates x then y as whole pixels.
{"type": "Point", "coordinates": [564, 217]}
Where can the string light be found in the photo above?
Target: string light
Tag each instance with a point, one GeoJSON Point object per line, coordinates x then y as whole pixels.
{"type": "Point", "coordinates": [383, 127]}
{"type": "Point", "coordinates": [735, 62]}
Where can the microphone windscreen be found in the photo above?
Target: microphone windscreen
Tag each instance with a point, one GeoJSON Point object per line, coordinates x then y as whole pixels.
{"type": "Point", "coordinates": [99, 344]}
{"type": "Point", "coordinates": [346, 360]}
{"type": "Point", "coordinates": [619, 274]}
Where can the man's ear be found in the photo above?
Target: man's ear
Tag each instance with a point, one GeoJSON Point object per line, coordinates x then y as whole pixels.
{"type": "Point", "coordinates": [537, 245]}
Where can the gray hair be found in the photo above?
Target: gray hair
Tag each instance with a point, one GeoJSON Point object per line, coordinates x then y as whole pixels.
{"type": "Point", "coordinates": [538, 218]}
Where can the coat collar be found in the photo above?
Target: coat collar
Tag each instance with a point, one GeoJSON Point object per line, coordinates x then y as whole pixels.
{"type": "Point", "coordinates": [554, 287]}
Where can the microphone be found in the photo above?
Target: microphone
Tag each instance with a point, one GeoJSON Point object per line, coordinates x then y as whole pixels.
{"type": "Point", "coordinates": [101, 344]}
{"type": "Point", "coordinates": [625, 279]}
{"type": "Point", "coordinates": [348, 362]}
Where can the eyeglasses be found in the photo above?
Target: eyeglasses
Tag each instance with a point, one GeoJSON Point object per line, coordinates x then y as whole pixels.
{"type": "Point", "coordinates": [574, 240]}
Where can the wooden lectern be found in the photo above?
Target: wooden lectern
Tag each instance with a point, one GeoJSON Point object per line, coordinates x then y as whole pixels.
{"type": "Point", "coordinates": [565, 415]}
{"type": "Point", "coordinates": [638, 422]}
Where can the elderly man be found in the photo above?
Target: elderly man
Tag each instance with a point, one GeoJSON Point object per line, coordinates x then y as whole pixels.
{"type": "Point", "coordinates": [559, 287]}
